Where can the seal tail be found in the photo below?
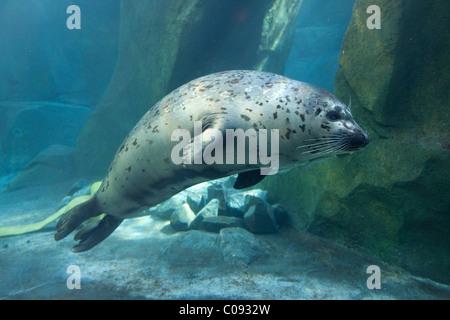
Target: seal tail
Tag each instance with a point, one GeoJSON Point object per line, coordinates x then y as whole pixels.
{"type": "Point", "coordinates": [93, 233]}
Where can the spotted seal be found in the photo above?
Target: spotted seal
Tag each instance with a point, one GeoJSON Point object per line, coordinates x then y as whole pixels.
{"type": "Point", "coordinates": [311, 123]}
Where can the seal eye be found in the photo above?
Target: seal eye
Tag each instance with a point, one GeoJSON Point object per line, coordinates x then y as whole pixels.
{"type": "Point", "coordinates": [333, 116]}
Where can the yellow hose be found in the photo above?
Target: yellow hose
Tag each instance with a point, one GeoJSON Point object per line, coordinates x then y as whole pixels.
{"type": "Point", "coordinates": [15, 230]}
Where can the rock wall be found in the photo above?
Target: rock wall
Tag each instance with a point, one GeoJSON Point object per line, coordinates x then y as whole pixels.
{"type": "Point", "coordinates": [390, 199]}
{"type": "Point", "coordinates": [50, 76]}
{"type": "Point", "coordinates": [43, 60]}
{"type": "Point", "coordinates": [167, 43]}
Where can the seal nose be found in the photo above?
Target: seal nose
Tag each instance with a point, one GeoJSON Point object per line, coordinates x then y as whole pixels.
{"type": "Point", "coordinates": [357, 140]}
{"type": "Point", "coordinates": [366, 137]}
{"type": "Point", "coordinates": [362, 139]}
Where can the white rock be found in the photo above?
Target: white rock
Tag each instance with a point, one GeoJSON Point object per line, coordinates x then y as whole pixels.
{"type": "Point", "coordinates": [210, 210]}
{"type": "Point", "coordinates": [182, 217]}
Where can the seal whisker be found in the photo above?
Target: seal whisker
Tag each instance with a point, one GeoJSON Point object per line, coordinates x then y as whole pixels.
{"type": "Point", "coordinates": [328, 150]}
{"type": "Point", "coordinates": [333, 137]}
{"type": "Point", "coordinates": [323, 148]}
{"type": "Point", "coordinates": [315, 144]}
{"type": "Point", "coordinates": [335, 147]}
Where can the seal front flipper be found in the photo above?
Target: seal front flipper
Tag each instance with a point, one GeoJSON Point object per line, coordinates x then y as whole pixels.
{"type": "Point", "coordinates": [247, 179]}
{"type": "Point", "coordinates": [95, 232]}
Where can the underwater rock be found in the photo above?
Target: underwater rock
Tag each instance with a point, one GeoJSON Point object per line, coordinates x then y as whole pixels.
{"type": "Point", "coordinates": [192, 248]}
{"type": "Point", "coordinates": [217, 223]}
{"type": "Point", "coordinates": [277, 33]}
{"type": "Point", "coordinates": [240, 247]}
{"type": "Point", "coordinates": [217, 191]}
{"type": "Point", "coordinates": [182, 217]}
{"type": "Point", "coordinates": [259, 218]}
{"type": "Point", "coordinates": [196, 201]}
{"type": "Point", "coordinates": [391, 199]}
{"type": "Point", "coordinates": [165, 209]}
{"type": "Point", "coordinates": [80, 188]}
{"type": "Point", "coordinates": [210, 210]}
{"type": "Point", "coordinates": [52, 63]}
{"type": "Point", "coordinates": [52, 165]}
{"type": "Point", "coordinates": [28, 127]}
{"type": "Point", "coordinates": [239, 202]}
{"type": "Point", "coordinates": [280, 214]}
{"type": "Point", "coordinates": [236, 205]}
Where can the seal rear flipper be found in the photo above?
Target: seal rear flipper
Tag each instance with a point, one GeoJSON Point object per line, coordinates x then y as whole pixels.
{"type": "Point", "coordinates": [75, 216]}
{"type": "Point", "coordinates": [95, 232]}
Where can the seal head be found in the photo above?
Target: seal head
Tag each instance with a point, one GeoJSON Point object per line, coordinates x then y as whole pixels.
{"type": "Point", "coordinates": [335, 129]}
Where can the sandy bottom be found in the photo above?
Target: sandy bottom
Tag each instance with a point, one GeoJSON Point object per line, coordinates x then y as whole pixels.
{"type": "Point", "coordinates": [145, 259]}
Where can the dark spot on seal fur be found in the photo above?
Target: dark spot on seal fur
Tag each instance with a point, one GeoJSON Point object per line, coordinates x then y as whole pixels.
{"type": "Point", "coordinates": [135, 142]}
{"type": "Point", "coordinates": [275, 115]}
{"type": "Point", "coordinates": [325, 127]}
{"type": "Point", "coordinates": [243, 116]}
{"type": "Point", "coordinates": [288, 133]}
{"type": "Point", "coordinates": [303, 127]}
{"type": "Point", "coordinates": [129, 169]}
{"type": "Point", "coordinates": [167, 160]}
{"type": "Point", "coordinates": [303, 117]}
{"type": "Point", "coordinates": [318, 111]}
{"type": "Point", "coordinates": [287, 120]}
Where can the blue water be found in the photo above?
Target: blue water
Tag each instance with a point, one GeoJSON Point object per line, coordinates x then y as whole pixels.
{"type": "Point", "coordinates": [70, 78]}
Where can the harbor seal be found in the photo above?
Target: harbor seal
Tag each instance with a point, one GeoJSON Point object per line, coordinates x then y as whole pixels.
{"type": "Point", "coordinates": [310, 123]}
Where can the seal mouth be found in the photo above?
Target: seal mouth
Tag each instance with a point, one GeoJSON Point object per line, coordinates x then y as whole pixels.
{"type": "Point", "coordinates": [337, 143]}
{"type": "Point", "coordinates": [356, 141]}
